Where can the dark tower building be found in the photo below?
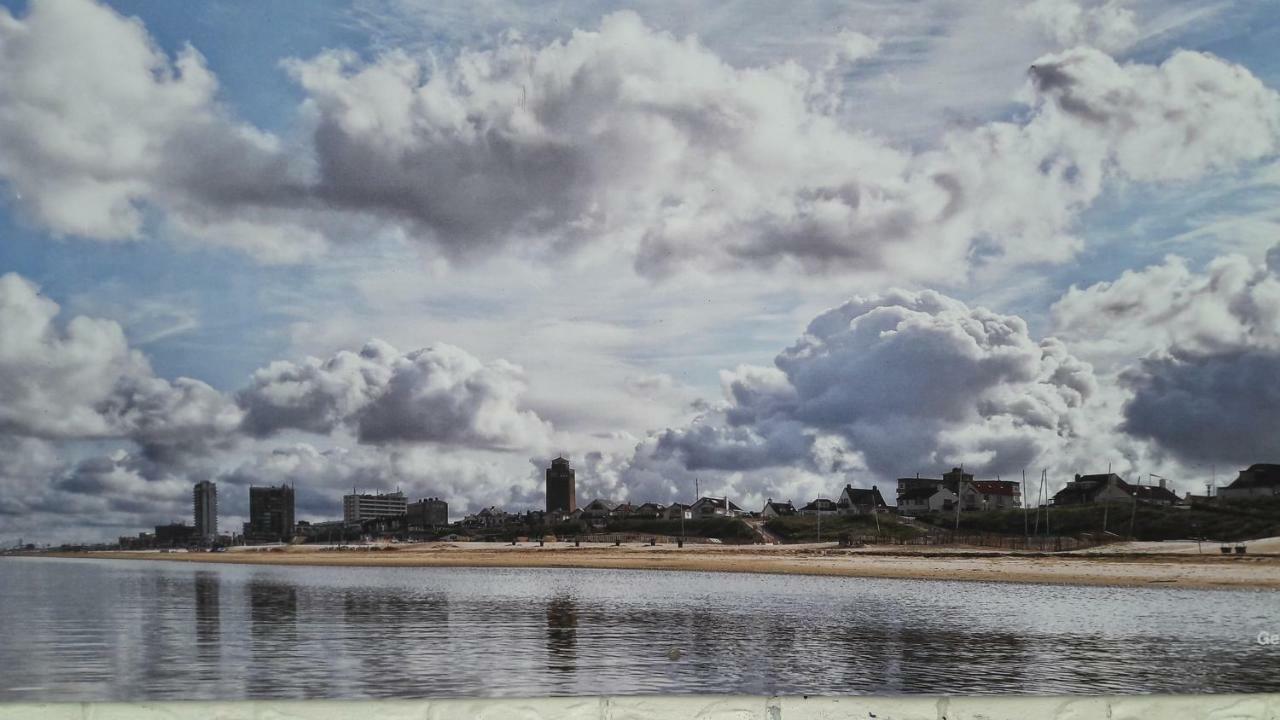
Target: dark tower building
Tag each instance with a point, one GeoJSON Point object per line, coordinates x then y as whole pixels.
{"type": "Point", "coordinates": [428, 513]}
{"type": "Point", "coordinates": [270, 514]}
{"type": "Point", "coordinates": [204, 499]}
{"type": "Point", "coordinates": [562, 494]}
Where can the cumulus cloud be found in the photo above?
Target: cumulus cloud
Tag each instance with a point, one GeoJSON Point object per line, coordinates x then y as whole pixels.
{"type": "Point", "coordinates": [1195, 350]}
{"type": "Point", "coordinates": [82, 380]}
{"type": "Point", "coordinates": [895, 383]}
{"type": "Point", "coordinates": [624, 136]}
{"type": "Point", "coordinates": [439, 394]}
{"type": "Point", "coordinates": [1107, 25]}
{"type": "Point", "coordinates": [1194, 113]}
{"type": "Point", "coordinates": [97, 123]}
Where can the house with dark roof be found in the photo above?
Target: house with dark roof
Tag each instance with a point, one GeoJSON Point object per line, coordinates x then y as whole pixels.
{"type": "Point", "coordinates": [715, 506]}
{"type": "Point", "coordinates": [773, 509]}
{"type": "Point", "coordinates": [598, 512]}
{"type": "Point", "coordinates": [649, 511]}
{"type": "Point", "coordinates": [926, 498]}
{"type": "Point", "coordinates": [998, 494]}
{"type": "Point", "coordinates": [919, 494]}
{"type": "Point", "coordinates": [821, 506]}
{"type": "Point", "coordinates": [1110, 487]}
{"type": "Point", "coordinates": [860, 501]}
{"type": "Point", "coordinates": [675, 511]}
{"type": "Point", "coordinates": [1260, 480]}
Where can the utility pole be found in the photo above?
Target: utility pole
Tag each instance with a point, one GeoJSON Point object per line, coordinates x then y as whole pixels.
{"type": "Point", "coordinates": [1022, 494]}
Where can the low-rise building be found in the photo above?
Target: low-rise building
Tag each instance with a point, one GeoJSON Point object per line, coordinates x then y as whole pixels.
{"type": "Point", "coordinates": [1260, 480]}
{"type": "Point", "coordinates": [706, 507]}
{"type": "Point", "coordinates": [860, 501]}
{"type": "Point", "coordinates": [428, 513]}
{"type": "Point", "coordinates": [599, 512]}
{"type": "Point", "coordinates": [997, 494]}
{"type": "Point", "coordinates": [490, 517]}
{"type": "Point", "coordinates": [1109, 488]}
{"type": "Point", "coordinates": [675, 511]}
{"type": "Point", "coordinates": [926, 499]}
{"type": "Point", "coordinates": [176, 535]}
{"type": "Point", "coordinates": [919, 494]}
{"type": "Point", "coordinates": [649, 511]}
{"type": "Point", "coordinates": [773, 509]}
{"type": "Point", "coordinates": [821, 506]}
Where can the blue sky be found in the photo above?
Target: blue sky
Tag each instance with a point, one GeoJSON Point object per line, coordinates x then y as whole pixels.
{"type": "Point", "coordinates": [358, 221]}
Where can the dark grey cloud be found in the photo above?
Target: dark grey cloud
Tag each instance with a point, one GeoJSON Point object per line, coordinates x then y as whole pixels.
{"type": "Point", "coordinates": [1217, 408]}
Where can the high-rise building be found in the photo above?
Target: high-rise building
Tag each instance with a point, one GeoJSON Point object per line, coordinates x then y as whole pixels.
{"type": "Point", "coordinates": [204, 501]}
{"type": "Point", "coordinates": [562, 494]}
{"type": "Point", "coordinates": [270, 514]}
{"type": "Point", "coordinates": [428, 513]}
{"type": "Point", "coordinates": [357, 508]}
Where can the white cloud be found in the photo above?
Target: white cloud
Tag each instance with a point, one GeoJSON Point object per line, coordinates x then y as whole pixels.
{"type": "Point", "coordinates": [894, 384]}
{"type": "Point", "coordinates": [624, 137]}
{"type": "Point", "coordinates": [82, 380]}
{"type": "Point", "coordinates": [439, 394]}
{"type": "Point", "coordinates": [1196, 352]}
{"type": "Point", "coordinates": [1108, 25]}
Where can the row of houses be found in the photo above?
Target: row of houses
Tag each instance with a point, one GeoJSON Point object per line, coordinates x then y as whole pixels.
{"type": "Point", "coordinates": [600, 512]}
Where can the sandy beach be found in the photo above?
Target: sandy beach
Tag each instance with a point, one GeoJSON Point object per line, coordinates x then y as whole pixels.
{"type": "Point", "coordinates": [1121, 565]}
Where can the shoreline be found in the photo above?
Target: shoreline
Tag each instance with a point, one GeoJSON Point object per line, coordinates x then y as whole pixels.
{"type": "Point", "coordinates": [1112, 569]}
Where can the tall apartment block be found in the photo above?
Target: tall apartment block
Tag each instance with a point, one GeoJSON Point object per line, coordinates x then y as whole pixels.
{"type": "Point", "coordinates": [204, 502]}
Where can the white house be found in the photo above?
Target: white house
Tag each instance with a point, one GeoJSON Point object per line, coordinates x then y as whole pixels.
{"type": "Point", "coordinates": [774, 509]}
{"type": "Point", "coordinates": [715, 506]}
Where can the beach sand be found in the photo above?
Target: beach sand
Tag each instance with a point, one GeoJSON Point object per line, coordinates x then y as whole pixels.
{"type": "Point", "coordinates": [1121, 565]}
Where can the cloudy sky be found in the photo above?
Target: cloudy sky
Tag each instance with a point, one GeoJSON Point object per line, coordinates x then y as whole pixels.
{"type": "Point", "coordinates": [777, 248]}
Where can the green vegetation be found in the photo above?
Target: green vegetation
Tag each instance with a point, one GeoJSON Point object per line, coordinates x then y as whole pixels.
{"type": "Point", "coordinates": [1222, 521]}
{"type": "Point", "coordinates": [805, 529]}
{"type": "Point", "coordinates": [729, 530]}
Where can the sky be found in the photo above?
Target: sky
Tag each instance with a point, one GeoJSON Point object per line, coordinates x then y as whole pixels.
{"type": "Point", "coordinates": [429, 246]}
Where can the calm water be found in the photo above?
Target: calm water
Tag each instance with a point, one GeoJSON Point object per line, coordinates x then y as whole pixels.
{"type": "Point", "coordinates": [148, 630]}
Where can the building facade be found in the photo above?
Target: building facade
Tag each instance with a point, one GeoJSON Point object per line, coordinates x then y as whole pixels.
{"type": "Point", "coordinates": [204, 503]}
{"type": "Point", "coordinates": [860, 501]}
{"type": "Point", "coordinates": [773, 509]}
{"type": "Point", "coordinates": [428, 513]}
{"type": "Point", "coordinates": [358, 508]}
{"type": "Point", "coordinates": [706, 507]}
{"type": "Point", "coordinates": [175, 535]}
{"type": "Point", "coordinates": [270, 514]}
{"type": "Point", "coordinates": [562, 492]}
{"type": "Point", "coordinates": [917, 494]}
{"type": "Point", "coordinates": [1109, 488]}
{"type": "Point", "coordinates": [1260, 480]}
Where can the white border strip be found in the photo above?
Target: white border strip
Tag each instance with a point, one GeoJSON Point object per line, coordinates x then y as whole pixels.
{"type": "Point", "coordinates": [683, 707]}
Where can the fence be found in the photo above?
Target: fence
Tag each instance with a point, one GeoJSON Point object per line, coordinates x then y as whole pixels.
{"type": "Point", "coordinates": [612, 538]}
{"type": "Point", "coordinates": [1054, 543]}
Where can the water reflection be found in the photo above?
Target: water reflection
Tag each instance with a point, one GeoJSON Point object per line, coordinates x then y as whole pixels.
{"type": "Point", "coordinates": [273, 634]}
{"type": "Point", "coordinates": [562, 634]}
{"type": "Point", "coordinates": [103, 630]}
{"type": "Point", "coordinates": [208, 615]}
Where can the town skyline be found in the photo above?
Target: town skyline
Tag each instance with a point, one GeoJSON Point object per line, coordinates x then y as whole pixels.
{"type": "Point", "coordinates": [760, 254]}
